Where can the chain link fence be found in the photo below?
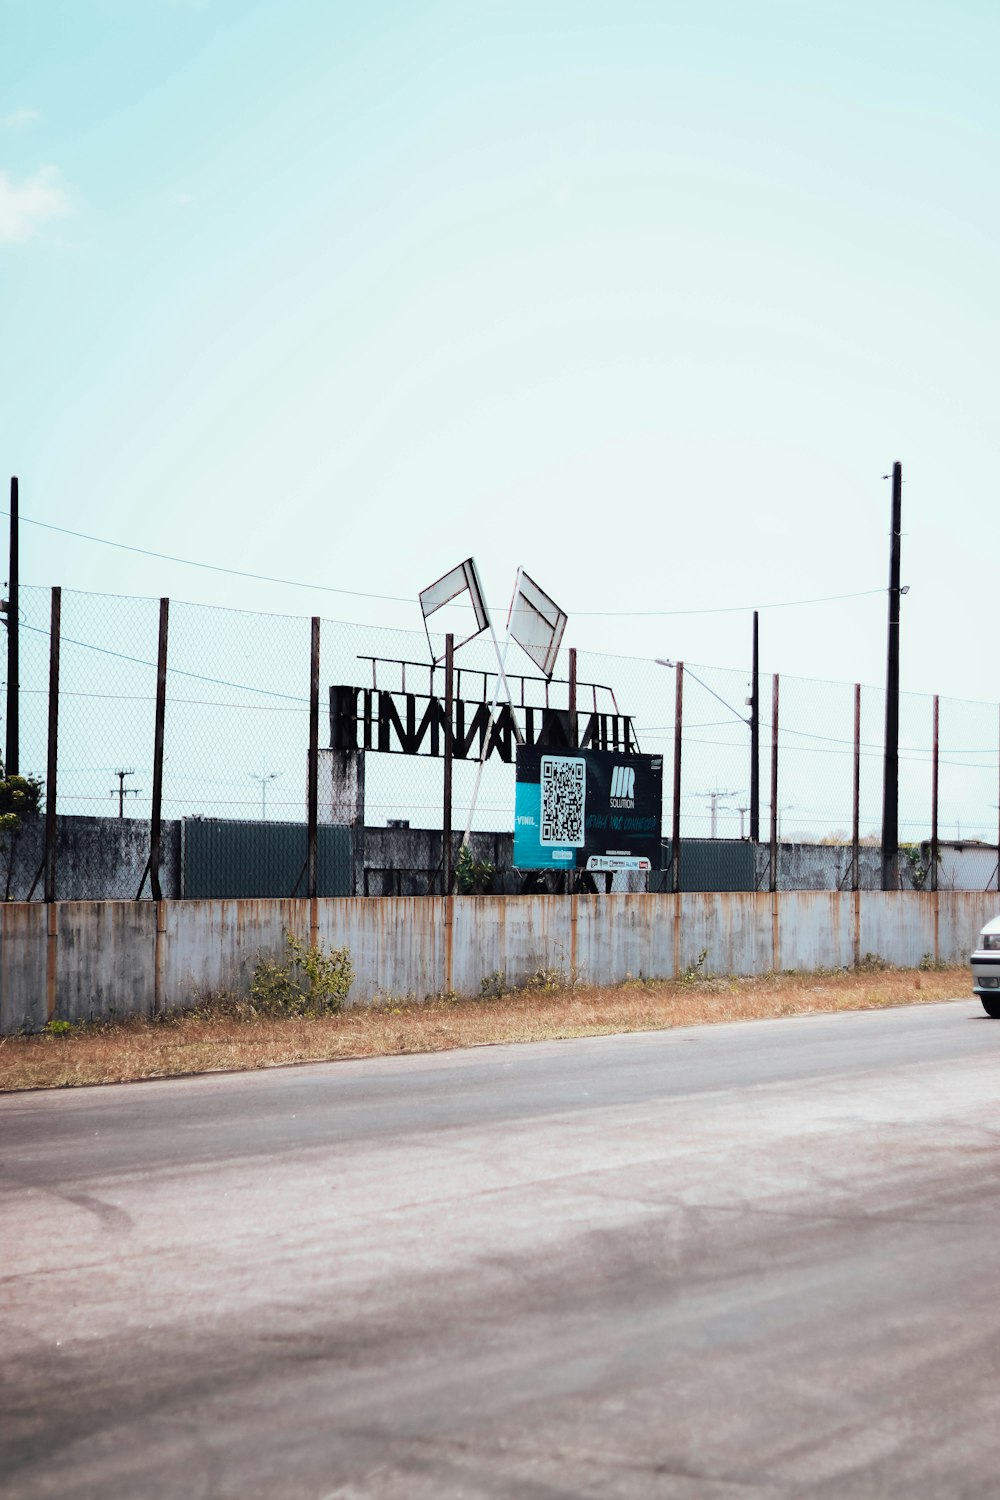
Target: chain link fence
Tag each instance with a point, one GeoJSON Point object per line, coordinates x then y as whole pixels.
{"type": "Point", "coordinates": [233, 811]}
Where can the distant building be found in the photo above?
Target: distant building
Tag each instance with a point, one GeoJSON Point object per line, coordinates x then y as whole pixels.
{"type": "Point", "coordinates": [963, 865]}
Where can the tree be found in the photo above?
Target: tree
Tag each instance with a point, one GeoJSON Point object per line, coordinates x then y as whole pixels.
{"type": "Point", "coordinates": [20, 801]}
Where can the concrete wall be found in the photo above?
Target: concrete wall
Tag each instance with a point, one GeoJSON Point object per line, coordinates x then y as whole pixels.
{"type": "Point", "coordinates": [96, 858]}
{"type": "Point", "coordinates": [103, 859]}
{"type": "Point", "coordinates": [407, 862]}
{"type": "Point", "coordinates": [87, 959]}
{"type": "Point", "coordinates": [823, 867]}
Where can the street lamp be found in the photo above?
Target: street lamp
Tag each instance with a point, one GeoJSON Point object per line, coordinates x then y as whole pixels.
{"type": "Point", "coordinates": [661, 661]}
{"type": "Point", "coordinates": [263, 777]}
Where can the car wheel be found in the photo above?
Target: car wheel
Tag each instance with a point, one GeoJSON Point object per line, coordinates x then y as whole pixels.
{"type": "Point", "coordinates": [991, 1007]}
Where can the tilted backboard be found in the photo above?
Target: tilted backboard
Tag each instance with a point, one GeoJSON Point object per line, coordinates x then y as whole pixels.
{"type": "Point", "coordinates": [536, 622]}
{"type": "Point", "coordinates": [447, 588]}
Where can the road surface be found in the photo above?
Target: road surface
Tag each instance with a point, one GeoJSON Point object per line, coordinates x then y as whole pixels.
{"type": "Point", "coordinates": [754, 1260]}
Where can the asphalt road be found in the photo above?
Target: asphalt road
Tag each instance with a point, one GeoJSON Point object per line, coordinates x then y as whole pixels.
{"type": "Point", "coordinates": [753, 1260]}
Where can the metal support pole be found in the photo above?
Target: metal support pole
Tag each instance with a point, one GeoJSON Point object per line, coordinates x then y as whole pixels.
{"type": "Point", "coordinates": [675, 830]}
{"type": "Point", "coordinates": [156, 811]}
{"type": "Point", "coordinates": [890, 783]}
{"type": "Point", "coordinates": [774, 783]}
{"type": "Point", "coordinates": [312, 796]}
{"type": "Point", "coordinates": [449, 748]}
{"type": "Point", "coordinates": [572, 884]}
{"type": "Point", "coordinates": [934, 796]}
{"type": "Point", "coordinates": [52, 763]}
{"type": "Point", "coordinates": [755, 736]}
{"type": "Point", "coordinates": [998, 822]}
{"type": "Point", "coordinates": [856, 815]}
{"type": "Point", "coordinates": [12, 757]}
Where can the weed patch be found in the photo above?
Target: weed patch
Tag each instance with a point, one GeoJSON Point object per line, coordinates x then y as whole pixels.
{"type": "Point", "coordinates": [303, 982]}
{"type": "Point", "coordinates": [231, 1032]}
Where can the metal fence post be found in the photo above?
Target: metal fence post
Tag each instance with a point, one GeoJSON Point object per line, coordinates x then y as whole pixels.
{"type": "Point", "coordinates": [774, 783]}
{"type": "Point", "coordinates": [449, 747]}
{"type": "Point", "coordinates": [856, 797]}
{"type": "Point", "coordinates": [52, 763]}
{"type": "Point", "coordinates": [153, 863]}
{"type": "Point", "coordinates": [890, 773]}
{"type": "Point", "coordinates": [12, 756]}
{"type": "Point", "coordinates": [312, 889]}
{"type": "Point", "coordinates": [755, 734]}
{"type": "Point", "coordinates": [934, 796]}
{"type": "Point", "coordinates": [675, 827]}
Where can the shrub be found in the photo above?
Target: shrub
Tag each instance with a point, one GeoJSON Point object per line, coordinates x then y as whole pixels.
{"type": "Point", "coordinates": [918, 870]}
{"type": "Point", "coordinates": [695, 971]}
{"type": "Point", "coordinates": [545, 979]}
{"type": "Point", "coordinates": [474, 877]}
{"type": "Point", "coordinates": [20, 799]}
{"type": "Point", "coordinates": [304, 982]}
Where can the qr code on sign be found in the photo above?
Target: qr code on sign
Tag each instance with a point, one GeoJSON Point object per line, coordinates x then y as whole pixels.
{"type": "Point", "coordinates": [564, 788]}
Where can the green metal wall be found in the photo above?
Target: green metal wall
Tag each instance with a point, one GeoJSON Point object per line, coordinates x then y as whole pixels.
{"type": "Point", "coordinates": [708, 865]}
{"type": "Point", "coordinates": [221, 858]}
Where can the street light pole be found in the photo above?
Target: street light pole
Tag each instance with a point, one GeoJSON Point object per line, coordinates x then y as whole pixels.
{"type": "Point", "coordinates": [264, 777]}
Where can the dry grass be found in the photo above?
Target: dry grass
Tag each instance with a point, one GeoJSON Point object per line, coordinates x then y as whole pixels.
{"type": "Point", "coordinates": [226, 1037]}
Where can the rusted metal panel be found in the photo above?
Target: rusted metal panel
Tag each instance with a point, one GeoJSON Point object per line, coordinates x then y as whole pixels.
{"type": "Point", "coordinates": [922, 925]}
{"type": "Point", "coordinates": [624, 936]}
{"type": "Point", "coordinates": [107, 957]}
{"type": "Point", "coordinates": [896, 931]}
{"type": "Point", "coordinates": [23, 945]}
{"type": "Point", "coordinates": [212, 946]}
{"type": "Point", "coordinates": [104, 959]}
{"type": "Point", "coordinates": [732, 929]}
{"type": "Point", "coordinates": [816, 930]}
{"type": "Point", "coordinates": [397, 944]}
{"type": "Point", "coordinates": [513, 937]}
{"type": "Point", "coordinates": [960, 916]}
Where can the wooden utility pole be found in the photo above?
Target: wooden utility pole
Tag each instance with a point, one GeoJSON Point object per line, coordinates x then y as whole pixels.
{"type": "Point", "coordinates": [156, 812]}
{"type": "Point", "coordinates": [932, 883]}
{"type": "Point", "coordinates": [124, 791]}
{"type": "Point", "coordinates": [774, 781]}
{"type": "Point", "coordinates": [52, 758]}
{"type": "Point", "coordinates": [312, 789]}
{"type": "Point", "coordinates": [890, 780]}
{"type": "Point", "coordinates": [12, 753]}
{"type": "Point", "coordinates": [754, 737]}
{"type": "Point", "coordinates": [675, 825]}
{"type": "Point", "coordinates": [856, 795]}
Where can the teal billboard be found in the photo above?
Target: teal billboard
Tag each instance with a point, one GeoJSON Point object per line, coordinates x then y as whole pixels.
{"type": "Point", "coordinates": [587, 810]}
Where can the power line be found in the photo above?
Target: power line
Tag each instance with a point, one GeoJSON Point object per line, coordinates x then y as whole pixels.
{"type": "Point", "coordinates": [139, 661]}
{"type": "Point", "coordinates": [728, 609]}
{"type": "Point", "coordinates": [326, 588]}
{"type": "Point", "coordinates": [190, 562]}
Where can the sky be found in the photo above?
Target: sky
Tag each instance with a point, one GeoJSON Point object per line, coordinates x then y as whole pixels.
{"type": "Point", "coordinates": [644, 297]}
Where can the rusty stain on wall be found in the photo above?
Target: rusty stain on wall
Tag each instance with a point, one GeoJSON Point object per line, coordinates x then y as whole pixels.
{"type": "Point", "coordinates": [88, 959]}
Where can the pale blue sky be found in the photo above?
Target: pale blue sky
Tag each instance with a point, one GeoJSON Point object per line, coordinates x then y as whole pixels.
{"type": "Point", "coordinates": [646, 297]}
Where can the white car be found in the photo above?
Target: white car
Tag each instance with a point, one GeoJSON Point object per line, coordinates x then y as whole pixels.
{"type": "Point", "coordinates": [986, 968]}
